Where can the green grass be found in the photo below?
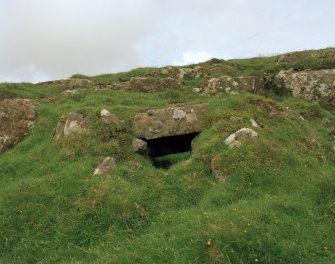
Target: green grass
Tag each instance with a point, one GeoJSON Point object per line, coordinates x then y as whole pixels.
{"type": "Point", "coordinates": [276, 206]}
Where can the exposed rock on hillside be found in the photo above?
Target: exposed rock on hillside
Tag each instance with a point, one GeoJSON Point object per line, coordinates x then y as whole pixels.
{"type": "Point", "coordinates": [241, 137]}
{"type": "Point", "coordinates": [140, 146]}
{"type": "Point", "coordinates": [149, 84]}
{"type": "Point", "coordinates": [71, 83]}
{"type": "Point", "coordinates": [72, 92]}
{"type": "Point", "coordinates": [71, 123]}
{"type": "Point", "coordinates": [169, 122]}
{"type": "Point", "coordinates": [106, 167]}
{"type": "Point", "coordinates": [110, 118]}
{"type": "Point", "coordinates": [16, 120]}
{"type": "Point", "coordinates": [233, 85]}
{"type": "Point", "coordinates": [318, 86]}
{"type": "Point", "coordinates": [215, 69]}
{"type": "Point", "coordinates": [299, 55]}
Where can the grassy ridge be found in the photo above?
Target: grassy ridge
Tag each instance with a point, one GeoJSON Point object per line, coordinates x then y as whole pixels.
{"type": "Point", "coordinates": [277, 205]}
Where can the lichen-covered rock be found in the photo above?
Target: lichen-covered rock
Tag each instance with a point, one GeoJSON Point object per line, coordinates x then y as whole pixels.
{"type": "Point", "coordinates": [71, 123]}
{"type": "Point", "coordinates": [169, 122]}
{"type": "Point", "coordinates": [109, 118]}
{"type": "Point", "coordinates": [106, 167]}
{"type": "Point", "coordinates": [318, 86]}
{"type": "Point", "coordinates": [149, 84]}
{"type": "Point", "coordinates": [299, 55]}
{"type": "Point", "coordinates": [140, 146]}
{"type": "Point", "coordinates": [70, 83]}
{"type": "Point", "coordinates": [233, 85]}
{"type": "Point", "coordinates": [241, 137]}
{"type": "Point", "coordinates": [17, 118]}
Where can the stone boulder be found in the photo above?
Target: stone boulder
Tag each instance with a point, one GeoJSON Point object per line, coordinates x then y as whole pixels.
{"type": "Point", "coordinates": [140, 146]}
{"type": "Point", "coordinates": [299, 55]}
{"type": "Point", "coordinates": [169, 122]}
{"type": "Point", "coordinates": [106, 167]}
{"type": "Point", "coordinates": [17, 118]}
{"type": "Point", "coordinates": [149, 84]}
{"type": "Point", "coordinates": [233, 85]}
{"type": "Point", "coordinates": [241, 137]}
{"type": "Point", "coordinates": [318, 86]}
{"type": "Point", "coordinates": [109, 118]}
{"type": "Point", "coordinates": [71, 123]}
{"type": "Point", "coordinates": [70, 83]}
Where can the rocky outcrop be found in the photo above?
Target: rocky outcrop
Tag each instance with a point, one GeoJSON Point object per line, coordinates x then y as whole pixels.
{"type": "Point", "coordinates": [71, 123]}
{"type": "Point", "coordinates": [70, 83]}
{"type": "Point", "coordinates": [169, 122]}
{"type": "Point", "coordinates": [212, 69]}
{"type": "Point", "coordinates": [241, 137]}
{"type": "Point", "coordinates": [318, 86]}
{"type": "Point", "coordinates": [233, 85]}
{"type": "Point", "coordinates": [106, 167]}
{"type": "Point", "coordinates": [299, 55]}
{"type": "Point", "coordinates": [148, 84]}
{"type": "Point", "coordinates": [16, 121]}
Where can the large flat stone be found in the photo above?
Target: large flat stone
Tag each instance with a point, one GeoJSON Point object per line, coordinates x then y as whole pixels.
{"type": "Point", "coordinates": [169, 122]}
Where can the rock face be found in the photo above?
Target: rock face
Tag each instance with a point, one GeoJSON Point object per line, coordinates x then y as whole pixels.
{"type": "Point", "coordinates": [149, 84]}
{"type": "Point", "coordinates": [241, 137]}
{"type": "Point", "coordinates": [318, 86]}
{"type": "Point", "coordinates": [106, 167]}
{"type": "Point", "coordinates": [16, 121]}
{"type": "Point", "coordinates": [71, 123]}
{"type": "Point", "coordinates": [71, 83]}
{"type": "Point", "coordinates": [169, 122]}
{"type": "Point", "coordinates": [294, 56]}
{"type": "Point", "coordinates": [233, 85]}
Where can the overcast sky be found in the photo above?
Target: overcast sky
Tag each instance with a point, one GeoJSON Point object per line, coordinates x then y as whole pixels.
{"type": "Point", "coordinates": [52, 39]}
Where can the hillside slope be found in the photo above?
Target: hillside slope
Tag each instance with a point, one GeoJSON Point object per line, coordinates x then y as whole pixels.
{"type": "Point", "coordinates": [268, 201]}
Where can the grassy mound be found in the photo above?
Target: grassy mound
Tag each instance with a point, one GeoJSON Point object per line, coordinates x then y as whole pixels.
{"type": "Point", "coordinates": [276, 206]}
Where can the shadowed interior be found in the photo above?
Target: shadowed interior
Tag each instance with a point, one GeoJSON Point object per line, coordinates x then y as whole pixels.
{"type": "Point", "coordinates": [159, 147]}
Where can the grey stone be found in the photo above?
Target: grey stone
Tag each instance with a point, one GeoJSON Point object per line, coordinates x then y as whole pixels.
{"type": "Point", "coordinates": [140, 145]}
{"type": "Point", "coordinates": [317, 86]}
{"type": "Point", "coordinates": [165, 122]}
{"type": "Point", "coordinates": [241, 137]}
{"type": "Point", "coordinates": [106, 167]}
{"type": "Point", "coordinates": [253, 123]}
{"type": "Point", "coordinates": [71, 123]}
{"type": "Point", "coordinates": [233, 85]}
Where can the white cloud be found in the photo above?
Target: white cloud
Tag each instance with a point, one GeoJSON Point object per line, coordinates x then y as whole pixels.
{"type": "Point", "coordinates": [190, 57]}
{"type": "Point", "coordinates": [64, 37]}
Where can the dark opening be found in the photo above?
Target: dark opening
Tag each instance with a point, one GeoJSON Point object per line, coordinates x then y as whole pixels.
{"type": "Point", "coordinates": [166, 146]}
